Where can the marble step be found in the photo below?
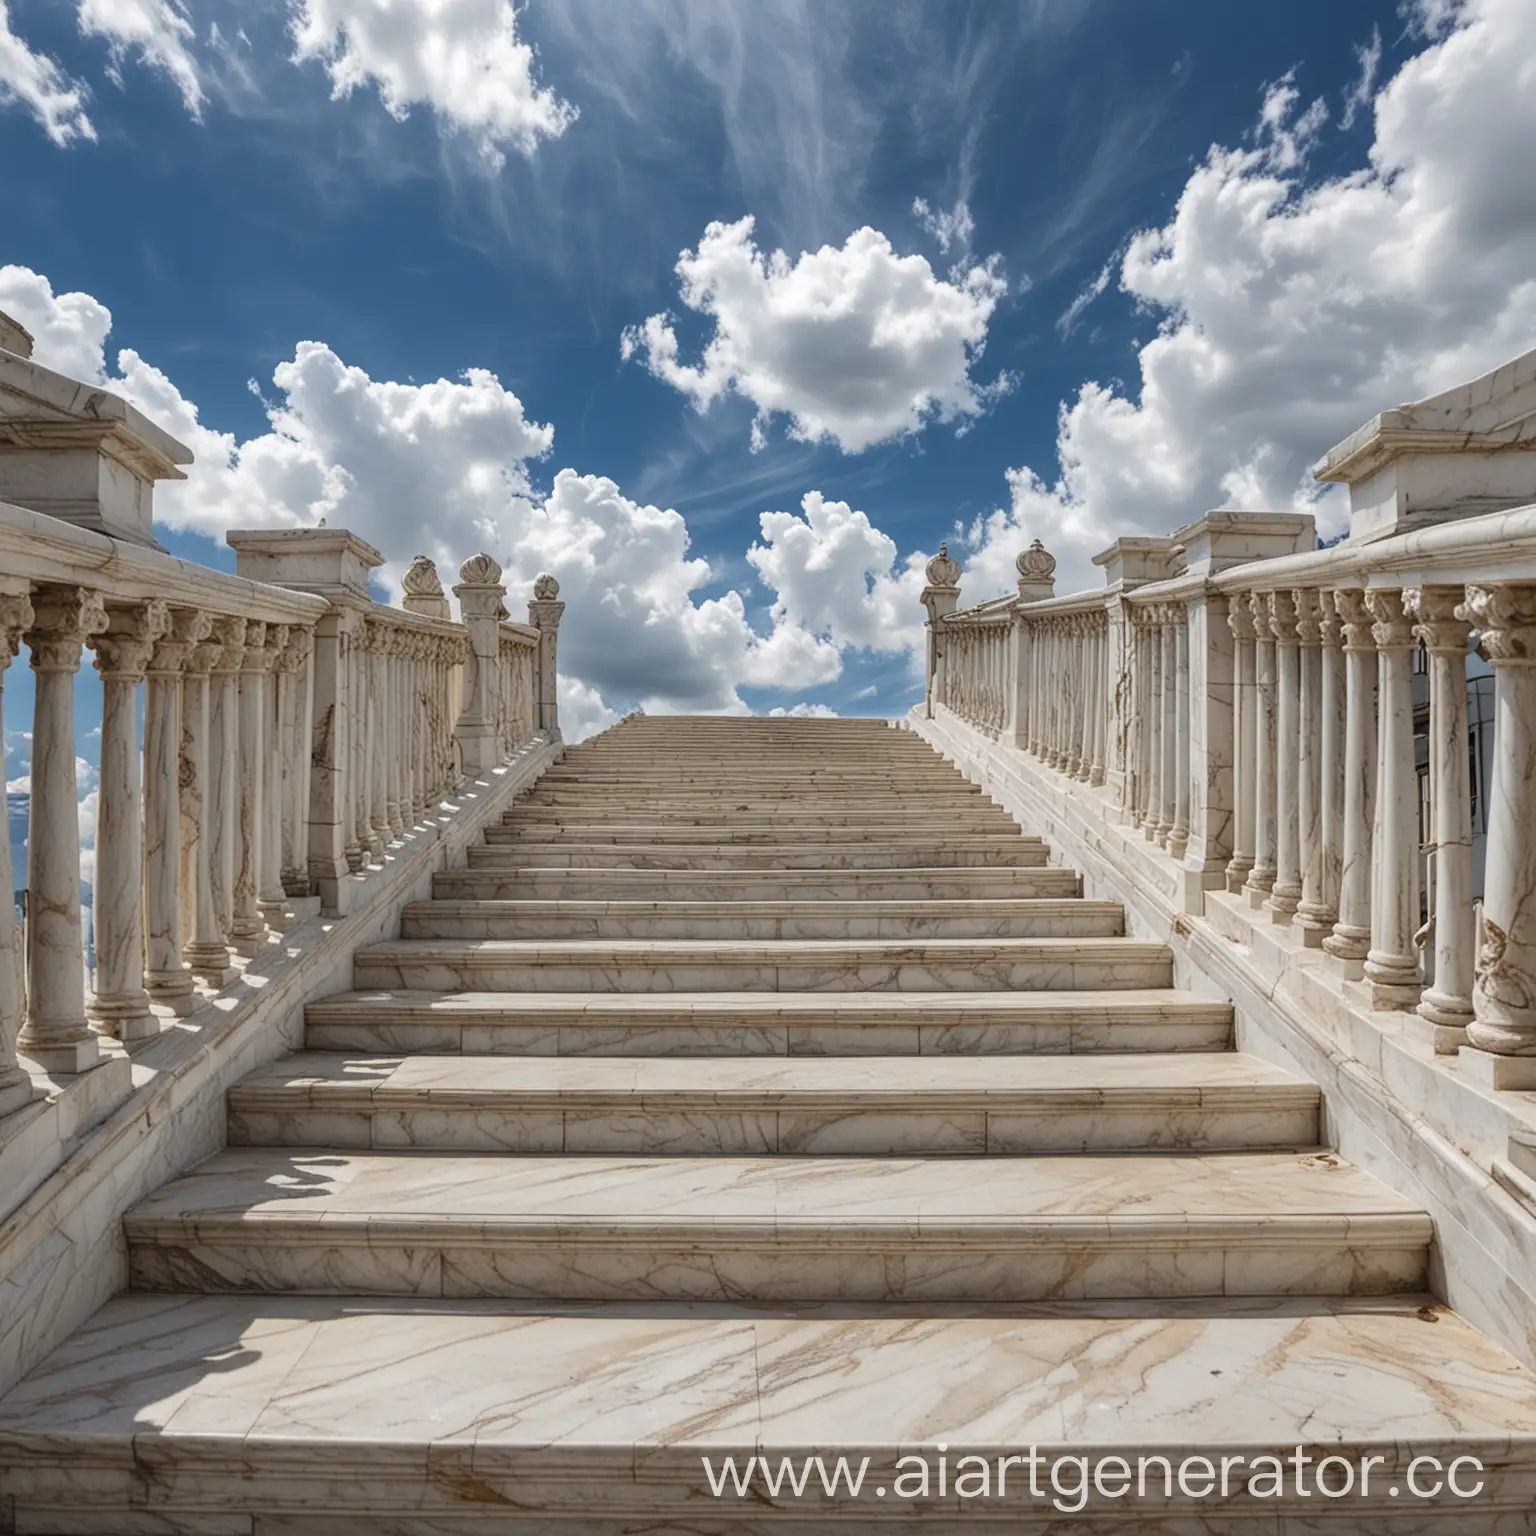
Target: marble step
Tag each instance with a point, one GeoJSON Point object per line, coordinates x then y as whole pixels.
{"type": "Point", "coordinates": [956, 853]}
{"type": "Point", "coordinates": [794, 833]}
{"type": "Point", "coordinates": [527, 881]}
{"type": "Point", "coordinates": [689, 812]}
{"type": "Point", "coordinates": [1005, 918]}
{"type": "Point", "coordinates": [883, 1105]}
{"type": "Point", "coordinates": [762, 965]}
{"type": "Point", "coordinates": [778, 1229]}
{"type": "Point", "coordinates": [717, 1024]}
{"type": "Point", "coordinates": [241, 1415]}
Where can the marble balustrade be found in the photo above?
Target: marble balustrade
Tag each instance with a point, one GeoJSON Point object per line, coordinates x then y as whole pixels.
{"type": "Point", "coordinates": [1280, 744]}
{"type": "Point", "coordinates": [248, 726]}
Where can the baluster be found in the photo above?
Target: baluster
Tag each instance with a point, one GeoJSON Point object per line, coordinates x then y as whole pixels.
{"type": "Point", "coordinates": [1447, 1003]}
{"type": "Point", "coordinates": [394, 807]}
{"type": "Point", "coordinates": [378, 795]}
{"type": "Point", "coordinates": [1503, 1030]}
{"type": "Point", "coordinates": [1099, 694]}
{"type": "Point", "coordinates": [1331, 775]}
{"type": "Point", "coordinates": [1154, 635]}
{"type": "Point", "coordinates": [1351, 938]}
{"type": "Point", "coordinates": [295, 681]}
{"type": "Point", "coordinates": [363, 744]}
{"type": "Point", "coordinates": [1168, 730]}
{"type": "Point", "coordinates": [1261, 878]}
{"type": "Point", "coordinates": [247, 931]}
{"type": "Point", "coordinates": [205, 952]}
{"type": "Point", "coordinates": [1392, 966]}
{"type": "Point", "coordinates": [1285, 895]}
{"type": "Point", "coordinates": [166, 976]}
{"type": "Point", "coordinates": [1141, 710]}
{"type": "Point", "coordinates": [120, 1005]}
{"type": "Point", "coordinates": [221, 809]}
{"type": "Point", "coordinates": [271, 898]}
{"type": "Point", "coordinates": [1314, 916]}
{"type": "Point", "coordinates": [1178, 833]}
{"type": "Point", "coordinates": [16, 1090]}
{"type": "Point", "coordinates": [1244, 748]}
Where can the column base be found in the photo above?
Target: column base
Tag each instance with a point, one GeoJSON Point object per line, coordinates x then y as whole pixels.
{"type": "Point", "coordinates": [1393, 981]}
{"type": "Point", "coordinates": [173, 991]}
{"type": "Point", "coordinates": [16, 1090]}
{"type": "Point", "coordinates": [1238, 870]}
{"type": "Point", "coordinates": [1445, 1039]}
{"type": "Point", "coordinates": [63, 1057]}
{"type": "Point", "coordinates": [1316, 924]}
{"type": "Point", "coordinates": [1508, 1074]}
{"type": "Point", "coordinates": [1282, 904]}
{"type": "Point", "coordinates": [128, 1019]}
{"type": "Point", "coordinates": [248, 940]}
{"type": "Point", "coordinates": [210, 965]}
{"type": "Point", "coordinates": [277, 915]}
{"type": "Point", "coordinates": [355, 856]}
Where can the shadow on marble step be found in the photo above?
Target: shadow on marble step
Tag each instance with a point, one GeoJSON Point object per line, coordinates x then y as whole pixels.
{"type": "Point", "coordinates": [881, 1106]}
{"type": "Point", "coordinates": [328, 1416]}
{"type": "Point", "coordinates": [1017, 918]}
{"type": "Point", "coordinates": [778, 1230]}
{"type": "Point", "coordinates": [528, 881]}
{"type": "Point", "coordinates": [763, 965]}
{"type": "Point", "coordinates": [786, 834]}
{"type": "Point", "coordinates": [768, 1024]}
{"type": "Point", "coordinates": [962, 853]}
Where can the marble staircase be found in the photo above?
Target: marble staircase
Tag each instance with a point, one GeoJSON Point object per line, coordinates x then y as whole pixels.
{"type": "Point", "coordinates": [759, 1084]}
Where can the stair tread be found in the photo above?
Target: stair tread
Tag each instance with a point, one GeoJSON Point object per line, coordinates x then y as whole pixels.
{"type": "Point", "coordinates": [243, 1375]}
{"type": "Point", "coordinates": [590, 950]}
{"type": "Point", "coordinates": [340, 1079]}
{"type": "Point", "coordinates": [558, 906]}
{"type": "Point", "coordinates": [1269, 1197]}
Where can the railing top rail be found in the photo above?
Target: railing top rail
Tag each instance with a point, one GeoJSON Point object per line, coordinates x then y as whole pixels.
{"type": "Point", "coordinates": [993, 611]}
{"type": "Point", "coordinates": [37, 547]}
{"type": "Point", "coordinates": [420, 623]}
{"type": "Point", "coordinates": [523, 634]}
{"type": "Point", "coordinates": [1072, 602]}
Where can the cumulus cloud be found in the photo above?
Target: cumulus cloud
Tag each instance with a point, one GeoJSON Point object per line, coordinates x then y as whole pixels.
{"type": "Point", "coordinates": [157, 31]}
{"type": "Point", "coordinates": [1290, 310]}
{"type": "Point", "coordinates": [803, 711]}
{"type": "Point", "coordinates": [465, 61]}
{"type": "Point", "coordinates": [853, 343]}
{"type": "Point", "coordinates": [444, 468]}
{"type": "Point", "coordinates": [39, 85]}
{"type": "Point", "coordinates": [954, 228]}
{"type": "Point", "coordinates": [836, 575]}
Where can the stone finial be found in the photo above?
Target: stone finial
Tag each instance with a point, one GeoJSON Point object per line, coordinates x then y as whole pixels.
{"type": "Point", "coordinates": [14, 336]}
{"type": "Point", "coordinates": [943, 571]}
{"type": "Point", "coordinates": [423, 591]}
{"type": "Point", "coordinates": [1036, 563]}
{"type": "Point", "coordinates": [546, 589]}
{"type": "Point", "coordinates": [480, 571]}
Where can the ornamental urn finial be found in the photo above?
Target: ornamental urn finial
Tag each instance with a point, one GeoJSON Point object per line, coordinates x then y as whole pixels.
{"type": "Point", "coordinates": [546, 589]}
{"type": "Point", "coordinates": [942, 571]}
{"type": "Point", "coordinates": [480, 571]}
{"type": "Point", "coordinates": [1036, 563]}
{"type": "Point", "coordinates": [421, 579]}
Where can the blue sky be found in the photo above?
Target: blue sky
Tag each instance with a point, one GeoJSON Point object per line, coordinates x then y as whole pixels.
{"type": "Point", "coordinates": [380, 262]}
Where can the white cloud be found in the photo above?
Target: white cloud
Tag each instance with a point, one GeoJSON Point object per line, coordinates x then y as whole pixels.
{"type": "Point", "coordinates": [837, 575]}
{"type": "Point", "coordinates": [804, 711]}
{"type": "Point", "coordinates": [39, 84]}
{"type": "Point", "coordinates": [1360, 94]}
{"type": "Point", "coordinates": [854, 344]}
{"type": "Point", "coordinates": [955, 228]}
{"type": "Point", "coordinates": [1292, 310]}
{"type": "Point", "coordinates": [462, 59]}
{"type": "Point", "coordinates": [85, 773]}
{"type": "Point", "coordinates": [582, 710]}
{"type": "Point", "coordinates": [1094, 288]}
{"type": "Point", "coordinates": [158, 31]}
{"type": "Point", "coordinates": [19, 786]}
{"type": "Point", "coordinates": [86, 812]}
{"type": "Point", "coordinates": [442, 468]}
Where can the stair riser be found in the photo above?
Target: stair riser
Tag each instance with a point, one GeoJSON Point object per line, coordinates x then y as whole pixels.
{"type": "Point", "coordinates": [1086, 925]}
{"type": "Point", "coordinates": [788, 834]}
{"type": "Point", "coordinates": [1012, 853]}
{"type": "Point", "coordinates": [845, 885]}
{"type": "Point", "coordinates": [639, 1037]}
{"type": "Point", "coordinates": [530, 1262]}
{"type": "Point", "coordinates": [692, 1129]}
{"type": "Point", "coordinates": [640, 976]}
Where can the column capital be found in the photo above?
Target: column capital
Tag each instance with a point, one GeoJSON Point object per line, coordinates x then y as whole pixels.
{"type": "Point", "coordinates": [1505, 617]}
{"type": "Point", "coordinates": [123, 649]}
{"type": "Point", "coordinates": [1240, 617]}
{"type": "Point", "coordinates": [16, 618]}
{"type": "Point", "coordinates": [63, 619]}
{"type": "Point", "coordinates": [1354, 618]}
{"type": "Point", "coordinates": [1309, 615]}
{"type": "Point", "coordinates": [1258, 606]}
{"type": "Point", "coordinates": [1392, 629]}
{"type": "Point", "coordinates": [189, 627]}
{"type": "Point", "coordinates": [1437, 615]}
{"type": "Point", "coordinates": [1330, 621]}
{"type": "Point", "coordinates": [230, 634]}
{"type": "Point", "coordinates": [263, 644]}
{"type": "Point", "coordinates": [298, 650]}
{"type": "Point", "coordinates": [1282, 618]}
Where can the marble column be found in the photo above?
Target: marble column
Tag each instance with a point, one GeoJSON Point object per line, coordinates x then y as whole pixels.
{"type": "Point", "coordinates": [221, 819]}
{"type": "Point", "coordinates": [482, 601]}
{"type": "Point", "coordinates": [1073, 693]}
{"type": "Point", "coordinates": [378, 749]}
{"type": "Point", "coordinates": [390, 659]}
{"type": "Point", "coordinates": [1099, 691]}
{"type": "Point", "coordinates": [16, 1090]}
{"type": "Point", "coordinates": [1154, 635]}
{"type": "Point", "coordinates": [1261, 878]}
{"type": "Point", "coordinates": [294, 677]}
{"type": "Point", "coordinates": [205, 952]}
{"type": "Point", "coordinates": [1285, 896]}
{"type": "Point", "coordinates": [248, 933]}
{"type": "Point", "coordinates": [166, 977]}
{"type": "Point", "coordinates": [1504, 997]}
{"type": "Point", "coordinates": [1240, 621]}
{"type": "Point", "coordinates": [1392, 966]}
{"type": "Point", "coordinates": [1351, 938]}
{"type": "Point", "coordinates": [1168, 729]}
{"type": "Point", "coordinates": [1331, 768]}
{"type": "Point", "coordinates": [1314, 917]}
{"type": "Point", "coordinates": [358, 828]}
{"type": "Point", "coordinates": [329, 724]}
{"type": "Point", "coordinates": [271, 898]}
{"type": "Point", "coordinates": [1178, 834]}
{"type": "Point", "coordinates": [544, 614]}
{"type": "Point", "coordinates": [1447, 1003]}
{"type": "Point", "coordinates": [120, 1005]}
{"type": "Point", "coordinates": [1141, 718]}
{"type": "Point", "coordinates": [57, 1035]}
